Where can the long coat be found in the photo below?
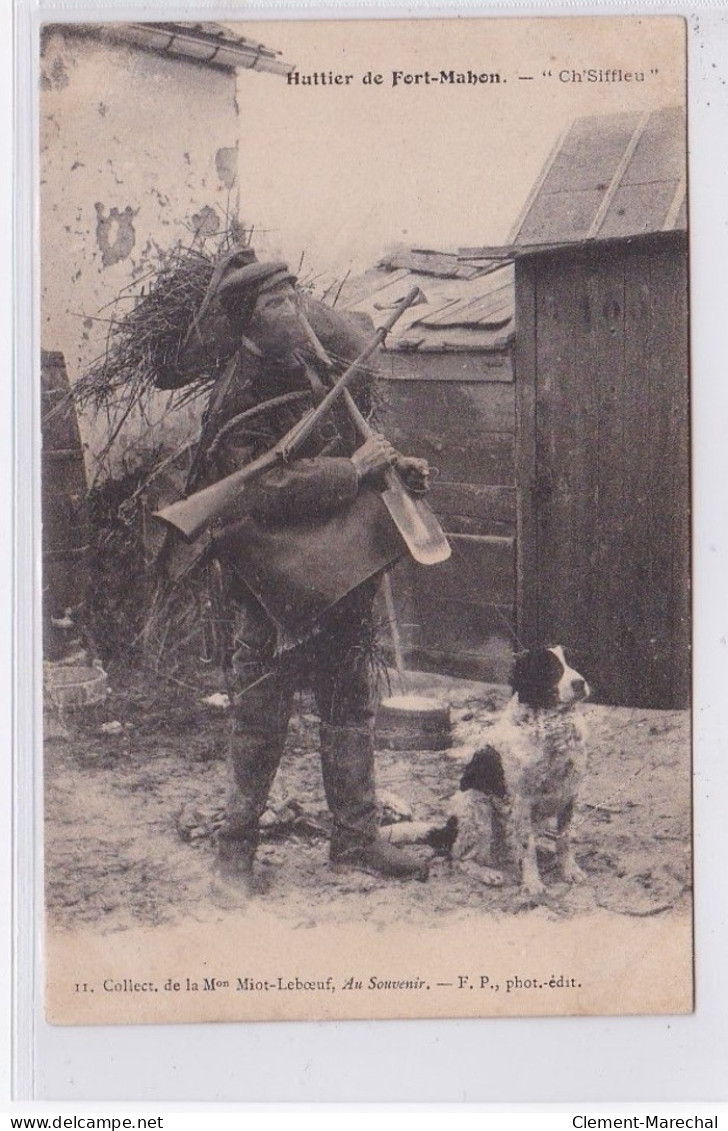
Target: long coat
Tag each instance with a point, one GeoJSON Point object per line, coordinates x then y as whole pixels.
{"type": "Point", "coordinates": [308, 533]}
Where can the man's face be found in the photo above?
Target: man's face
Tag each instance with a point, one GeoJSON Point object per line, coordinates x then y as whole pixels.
{"type": "Point", "coordinates": [275, 326]}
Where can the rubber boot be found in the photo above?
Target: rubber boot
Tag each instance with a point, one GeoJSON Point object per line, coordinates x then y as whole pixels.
{"type": "Point", "coordinates": [254, 756]}
{"type": "Point", "coordinates": [347, 763]}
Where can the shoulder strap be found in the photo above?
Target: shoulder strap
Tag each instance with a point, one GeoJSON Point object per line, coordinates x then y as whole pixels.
{"type": "Point", "coordinates": [219, 393]}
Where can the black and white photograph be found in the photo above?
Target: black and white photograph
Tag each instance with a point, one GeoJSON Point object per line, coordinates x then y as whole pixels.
{"type": "Point", "coordinates": [364, 399]}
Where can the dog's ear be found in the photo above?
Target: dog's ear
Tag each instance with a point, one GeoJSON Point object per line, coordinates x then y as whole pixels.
{"type": "Point", "coordinates": [535, 677]}
{"type": "Point", "coordinates": [520, 660]}
{"type": "Point", "coordinates": [526, 662]}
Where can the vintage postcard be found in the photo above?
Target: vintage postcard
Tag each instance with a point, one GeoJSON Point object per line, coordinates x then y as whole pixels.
{"type": "Point", "coordinates": [365, 479]}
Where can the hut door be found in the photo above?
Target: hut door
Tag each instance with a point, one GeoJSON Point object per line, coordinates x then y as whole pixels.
{"type": "Point", "coordinates": [602, 433]}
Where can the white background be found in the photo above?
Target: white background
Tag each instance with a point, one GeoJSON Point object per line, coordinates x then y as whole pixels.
{"type": "Point", "coordinates": [587, 1061]}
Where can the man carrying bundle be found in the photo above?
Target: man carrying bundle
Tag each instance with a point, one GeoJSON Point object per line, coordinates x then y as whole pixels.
{"type": "Point", "coordinates": [302, 561]}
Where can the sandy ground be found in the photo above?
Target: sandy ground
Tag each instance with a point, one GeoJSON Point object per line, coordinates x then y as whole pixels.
{"type": "Point", "coordinates": [119, 807]}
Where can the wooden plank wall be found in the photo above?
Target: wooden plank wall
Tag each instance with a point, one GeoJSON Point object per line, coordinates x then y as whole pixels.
{"type": "Point", "coordinates": [603, 464]}
{"type": "Point", "coordinates": [458, 412]}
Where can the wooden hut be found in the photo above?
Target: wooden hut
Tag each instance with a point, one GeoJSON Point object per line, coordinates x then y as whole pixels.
{"type": "Point", "coordinates": [449, 397]}
{"type": "Point", "coordinates": [602, 430]}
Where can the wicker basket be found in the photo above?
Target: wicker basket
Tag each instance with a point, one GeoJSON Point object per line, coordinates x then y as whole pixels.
{"type": "Point", "coordinates": [74, 686]}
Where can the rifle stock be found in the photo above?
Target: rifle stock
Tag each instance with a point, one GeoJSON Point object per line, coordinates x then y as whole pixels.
{"type": "Point", "coordinates": [193, 515]}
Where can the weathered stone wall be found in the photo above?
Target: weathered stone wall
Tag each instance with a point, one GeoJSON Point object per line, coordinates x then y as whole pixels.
{"type": "Point", "coordinates": [137, 152]}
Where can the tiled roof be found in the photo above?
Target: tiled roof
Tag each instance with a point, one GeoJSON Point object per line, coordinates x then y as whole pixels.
{"type": "Point", "coordinates": [467, 308]}
{"type": "Point", "coordinates": [210, 44]}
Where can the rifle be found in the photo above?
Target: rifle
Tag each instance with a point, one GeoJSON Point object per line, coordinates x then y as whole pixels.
{"type": "Point", "coordinates": [193, 515]}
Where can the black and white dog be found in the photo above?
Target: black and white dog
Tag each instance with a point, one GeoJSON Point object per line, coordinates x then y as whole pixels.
{"type": "Point", "coordinates": [533, 765]}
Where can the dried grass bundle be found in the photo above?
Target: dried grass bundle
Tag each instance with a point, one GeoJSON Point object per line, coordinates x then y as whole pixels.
{"type": "Point", "coordinates": [136, 612]}
{"type": "Point", "coordinates": [143, 342]}
{"type": "Point", "coordinates": [188, 622]}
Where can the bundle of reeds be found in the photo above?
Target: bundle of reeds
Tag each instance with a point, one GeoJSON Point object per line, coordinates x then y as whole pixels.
{"type": "Point", "coordinates": [162, 609]}
{"type": "Point", "coordinates": [147, 328]}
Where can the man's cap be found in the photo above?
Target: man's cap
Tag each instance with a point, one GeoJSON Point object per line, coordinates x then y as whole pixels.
{"type": "Point", "coordinates": [259, 277]}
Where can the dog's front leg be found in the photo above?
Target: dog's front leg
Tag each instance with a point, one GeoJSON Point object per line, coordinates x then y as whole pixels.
{"type": "Point", "coordinates": [525, 843]}
{"type": "Point", "coordinates": [568, 866]}
{"type": "Point", "coordinates": [500, 823]}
